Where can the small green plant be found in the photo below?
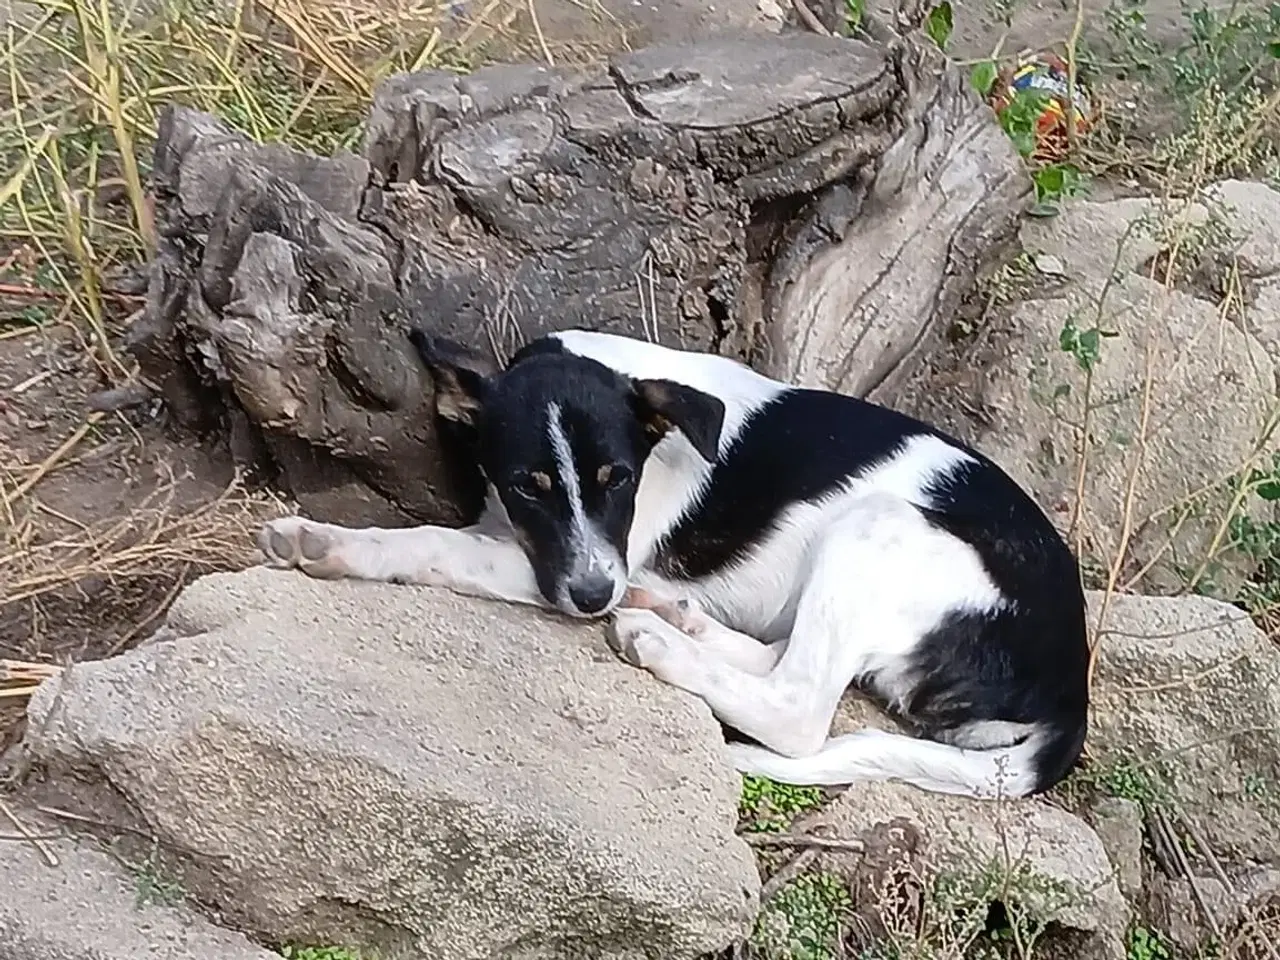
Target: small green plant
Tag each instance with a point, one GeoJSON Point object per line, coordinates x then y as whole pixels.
{"type": "Point", "coordinates": [1085, 345]}
{"type": "Point", "coordinates": [853, 13]}
{"type": "Point", "coordinates": [322, 953]}
{"type": "Point", "coordinates": [1124, 778]}
{"type": "Point", "coordinates": [768, 806]}
{"type": "Point", "coordinates": [1142, 944]}
{"type": "Point", "coordinates": [152, 887]}
{"type": "Point", "coordinates": [939, 24]}
{"type": "Point", "coordinates": [804, 919]}
{"type": "Point", "coordinates": [1054, 183]}
{"type": "Point", "coordinates": [1220, 81]}
{"type": "Point", "coordinates": [1259, 541]}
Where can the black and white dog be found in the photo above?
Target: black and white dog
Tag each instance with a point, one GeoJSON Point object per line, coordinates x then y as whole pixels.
{"type": "Point", "coordinates": [762, 547]}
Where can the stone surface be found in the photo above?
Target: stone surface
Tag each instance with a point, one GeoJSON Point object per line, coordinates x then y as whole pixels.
{"type": "Point", "coordinates": [1251, 214]}
{"type": "Point", "coordinates": [428, 775]}
{"type": "Point", "coordinates": [1019, 395]}
{"type": "Point", "coordinates": [1251, 211]}
{"type": "Point", "coordinates": [87, 907]}
{"type": "Point", "coordinates": [1031, 841]}
{"type": "Point", "coordinates": [1186, 701]}
{"type": "Point", "coordinates": [1246, 911]}
{"type": "Point", "coordinates": [1118, 822]}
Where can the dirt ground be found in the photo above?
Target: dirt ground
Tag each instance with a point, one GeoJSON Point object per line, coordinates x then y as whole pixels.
{"type": "Point", "coordinates": [98, 508]}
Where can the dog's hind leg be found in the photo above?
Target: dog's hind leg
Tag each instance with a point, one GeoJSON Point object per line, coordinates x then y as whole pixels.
{"type": "Point", "coordinates": [880, 579]}
{"type": "Point", "coordinates": [466, 561]}
{"type": "Point", "coordinates": [713, 638]}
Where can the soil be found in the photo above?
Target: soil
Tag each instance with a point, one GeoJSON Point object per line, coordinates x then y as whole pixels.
{"type": "Point", "coordinates": [132, 465]}
{"type": "Point", "coordinates": [127, 471]}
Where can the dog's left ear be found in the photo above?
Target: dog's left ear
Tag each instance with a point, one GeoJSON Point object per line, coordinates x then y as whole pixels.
{"type": "Point", "coordinates": [461, 375]}
{"type": "Point", "coordinates": [663, 404]}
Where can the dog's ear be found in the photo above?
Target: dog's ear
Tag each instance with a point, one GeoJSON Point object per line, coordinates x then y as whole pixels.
{"type": "Point", "coordinates": [663, 404]}
{"type": "Point", "coordinates": [461, 375]}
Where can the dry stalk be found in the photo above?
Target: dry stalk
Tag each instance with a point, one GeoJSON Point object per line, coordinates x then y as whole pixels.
{"type": "Point", "coordinates": [1126, 522]}
{"type": "Point", "coordinates": [159, 537]}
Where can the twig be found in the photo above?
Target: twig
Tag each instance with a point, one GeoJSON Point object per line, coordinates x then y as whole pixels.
{"type": "Point", "coordinates": [51, 461]}
{"type": "Point", "coordinates": [537, 30]}
{"type": "Point", "coordinates": [786, 873]}
{"type": "Point", "coordinates": [1202, 845]}
{"type": "Point", "coordinates": [809, 18]}
{"type": "Point", "coordinates": [803, 841]}
{"type": "Point", "coordinates": [1184, 866]}
{"type": "Point", "coordinates": [39, 293]}
{"type": "Point", "coordinates": [122, 828]}
{"type": "Point", "coordinates": [35, 839]}
{"type": "Point", "coordinates": [136, 630]}
{"type": "Point", "coordinates": [1073, 43]}
{"type": "Point", "coordinates": [1126, 516]}
{"type": "Point", "coordinates": [28, 837]}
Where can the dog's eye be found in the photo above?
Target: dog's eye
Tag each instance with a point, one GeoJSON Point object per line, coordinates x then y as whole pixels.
{"type": "Point", "coordinates": [532, 486]}
{"type": "Point", "coordinates": [613, 475]}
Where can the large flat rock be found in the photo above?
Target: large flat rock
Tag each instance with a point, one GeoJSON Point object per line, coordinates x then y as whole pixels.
{"type": "Point", "coordinates": [86, 906]}
{"type": "Point", "coordinates": [407, 770]}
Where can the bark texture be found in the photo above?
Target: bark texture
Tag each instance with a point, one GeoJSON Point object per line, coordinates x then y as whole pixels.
{"type": "Point", "coordinates": [813, 205]}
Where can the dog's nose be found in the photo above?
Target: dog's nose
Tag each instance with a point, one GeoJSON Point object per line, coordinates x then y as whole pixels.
{"type": "Point", "coordinates": [591, 594]}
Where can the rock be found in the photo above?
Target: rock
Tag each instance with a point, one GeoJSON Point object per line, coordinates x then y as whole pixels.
{"type": "Point", "coordinates": [1251, 212]}
{"type": "Point", "coordinates": [1018, 394]}
{"type": "Point", "coordinates": [88, 908]}
{"type": "Point", "coordinates": [1262, 317]}
{"type": "Point", "coordinates": [1118, 822]}
{"type": "Point", "coordinates": [1186, 710]}
{"type": "Point", "coordinates": [1175, 910]}
{"type": "Point", "coordinates": [1055, 864]}
{"type": "Point", "coordinates": [1050, 265]}
{"type": "Point", "coordinates": [424, 774]}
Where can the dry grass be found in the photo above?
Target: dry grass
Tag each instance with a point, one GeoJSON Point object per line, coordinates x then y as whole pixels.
{"type": "Point", "coordinates": [83, 84]}
{"type": "Point", "coordinates": [160, 535]}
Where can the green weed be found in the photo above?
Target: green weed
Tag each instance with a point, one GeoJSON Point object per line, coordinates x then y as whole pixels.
{"type": "Point", "coordinates": [768, 806]}
{"type": "Point", "coordinates": [322, 953]}
{"type": "Point", "coordinates": [1142, 944]}
{"type": "Point", "coordinates": [804, 919]}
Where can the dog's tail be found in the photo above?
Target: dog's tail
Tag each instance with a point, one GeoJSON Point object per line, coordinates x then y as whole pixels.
{"type": "Point", "coordinates": [1030, 766]}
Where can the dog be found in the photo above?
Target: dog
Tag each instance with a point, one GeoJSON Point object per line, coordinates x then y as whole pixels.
{"type": "Point", "coordinates": [762, 546]}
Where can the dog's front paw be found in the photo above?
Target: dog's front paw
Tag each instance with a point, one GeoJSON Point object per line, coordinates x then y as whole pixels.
{"type": "Point", "coordinates": [635, 635]}
{"type": "Point", "coordinates": [683, 614]}
{"type": "Point", "coordinates": [292, 542]}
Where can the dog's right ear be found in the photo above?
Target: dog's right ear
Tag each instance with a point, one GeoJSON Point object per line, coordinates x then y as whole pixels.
{"type": "Point", "coordinates": [461, 375]}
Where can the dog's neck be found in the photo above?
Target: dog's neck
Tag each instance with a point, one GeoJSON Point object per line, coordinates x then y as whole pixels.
{"type": "Point", "coordinates": [673, 479]}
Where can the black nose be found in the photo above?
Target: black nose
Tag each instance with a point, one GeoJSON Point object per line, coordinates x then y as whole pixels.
{"type": "Point", "coordinates": [591, 595]}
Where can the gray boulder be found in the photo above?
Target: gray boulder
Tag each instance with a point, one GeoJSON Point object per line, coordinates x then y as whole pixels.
{"type": "Point", "coordinates": [418, 773]}
{"type": "Point", "coordinates": [1018, 392]}
{"type": "Point", "coordinates": [1045, 864]}
{"type": "Point", "coordinates": [82, 905]}
{"type": "Point", "coordinates": [1186, 712]}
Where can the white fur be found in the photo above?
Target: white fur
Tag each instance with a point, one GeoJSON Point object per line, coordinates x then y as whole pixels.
{"type": "Point", "coordinates": [843, 587]}
{"type": "Point", "coordinates": [592, 553]}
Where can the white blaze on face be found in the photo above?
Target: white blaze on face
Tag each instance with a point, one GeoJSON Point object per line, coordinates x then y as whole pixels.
{"type": "Point", "coordinates": [568, 471]}
{"type": "Point", "coordinates": [590, 553]}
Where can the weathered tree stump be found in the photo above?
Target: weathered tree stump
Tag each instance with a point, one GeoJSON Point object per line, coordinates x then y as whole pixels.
{"type": "Point", "coordinates": [813, 205]}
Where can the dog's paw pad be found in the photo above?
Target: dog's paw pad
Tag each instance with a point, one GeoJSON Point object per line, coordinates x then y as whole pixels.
{"type": "Point", "coordinates": [291, 542]}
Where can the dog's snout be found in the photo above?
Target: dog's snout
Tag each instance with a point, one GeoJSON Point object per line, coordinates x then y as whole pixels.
{"type": "Point", "coordinates": [591, 594]}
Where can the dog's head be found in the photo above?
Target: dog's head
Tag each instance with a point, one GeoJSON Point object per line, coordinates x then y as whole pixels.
{"type": "Point", "coordinates": [563, 440]}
